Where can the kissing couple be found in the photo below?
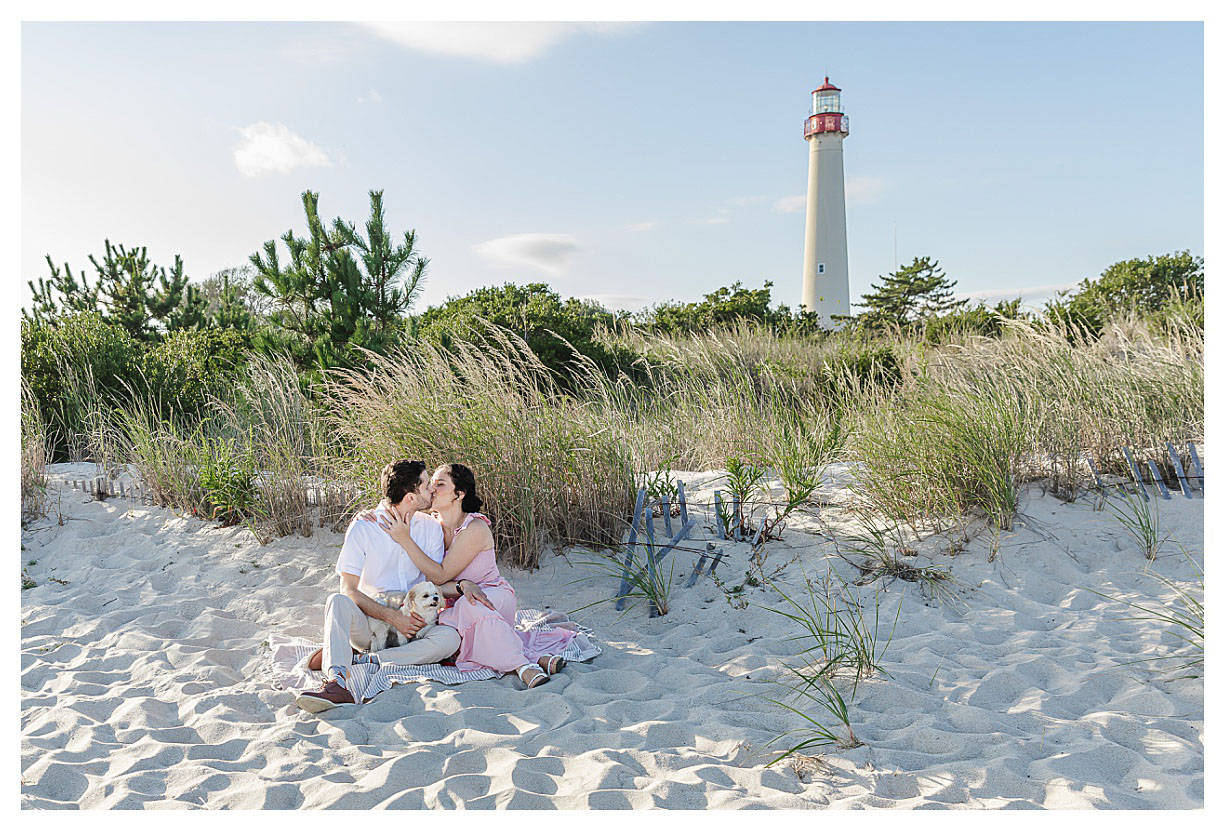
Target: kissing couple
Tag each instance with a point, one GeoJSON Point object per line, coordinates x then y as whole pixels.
{"type": "Point", "coordinates": [427, 532]}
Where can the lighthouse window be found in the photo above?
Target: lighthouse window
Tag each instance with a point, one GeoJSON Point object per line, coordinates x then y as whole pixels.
{"type": "Point", "coordinates": [820, 268]}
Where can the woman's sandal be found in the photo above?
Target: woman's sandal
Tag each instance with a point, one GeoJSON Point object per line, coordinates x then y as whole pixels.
{"type": "Point", "coordinates": [552, 664]}
{"type": "Point", "coordinates": [537, 677]}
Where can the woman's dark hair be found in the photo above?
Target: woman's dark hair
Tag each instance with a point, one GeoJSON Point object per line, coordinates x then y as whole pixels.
{"type": "Point", "coordinates": [400, 479]}
{"type": "Point", "coordinates": [465, 482]}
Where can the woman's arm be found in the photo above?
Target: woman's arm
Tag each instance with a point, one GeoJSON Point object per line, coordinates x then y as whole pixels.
{"type": "Point", "coordinates": [457, 558]}
{"type": "Point", "coordinates": [472, 591]}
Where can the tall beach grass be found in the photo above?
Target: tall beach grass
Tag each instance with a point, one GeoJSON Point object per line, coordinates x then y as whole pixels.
{"type": "Point", "coordinates": [550, 467]}
{"type": "Point", "coordinates": [35, 450]}
{"type": "Point", "coordinates": [936, 434]}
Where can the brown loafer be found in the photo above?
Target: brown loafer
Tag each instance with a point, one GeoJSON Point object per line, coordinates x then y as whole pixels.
{"type": "Point", "coordinates": [315, 661]}
{"type": "Point", "coordinates": [326, 697]}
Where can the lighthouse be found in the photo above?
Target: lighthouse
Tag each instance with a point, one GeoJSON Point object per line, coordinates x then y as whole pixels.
{"type": "Point", "coordinates": [827, 283]}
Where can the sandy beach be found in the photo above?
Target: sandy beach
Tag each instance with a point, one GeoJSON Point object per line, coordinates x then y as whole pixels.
{"type": "Point", "coordinates": [146, 679]}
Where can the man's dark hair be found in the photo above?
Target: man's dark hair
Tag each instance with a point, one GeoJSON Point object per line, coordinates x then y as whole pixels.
{"type": "Point", "coordinates": [401, 478]}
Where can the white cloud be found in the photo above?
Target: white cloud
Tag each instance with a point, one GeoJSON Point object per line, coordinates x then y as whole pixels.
{"type": "Point", "coordinates": [274, 148]}
{"type": "Point", "coordinates": [791, 204]}
{"type": "Point", "coordinates": [547, 252]}
{"type": "Point", "coordinates": [505, 43]}
{"type": "Point", "coordinates": [371, 97]}
{"type": "Point", "coordinates": [864, 190]}
{"type": "Point", "coordinates": [614, 302]}
{"type": "Point", "coordinates": [642, 226]}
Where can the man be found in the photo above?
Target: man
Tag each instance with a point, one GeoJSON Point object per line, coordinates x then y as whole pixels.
{"type": "Point", "coordinates": [371, 562]}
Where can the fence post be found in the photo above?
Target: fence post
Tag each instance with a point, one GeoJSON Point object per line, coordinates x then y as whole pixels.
{"type": "Point", "coordinates": [652, 574]}
{"type": "Point", "coordinates": [1158, 480]}
{"type": "Point", "coordinates": [1135, 472]}
{"type": "Point", "coordinates": [629, 550]}
{"type": "Point", "coordinates": [1178, 471]}
{"type": "Point", "coordinates": [1199, 468]}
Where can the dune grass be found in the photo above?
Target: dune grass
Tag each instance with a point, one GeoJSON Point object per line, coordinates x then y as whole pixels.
{"type": "Point", "coordinates": [35, 450]}
{"type": "Point", "coordinates": [550, 468]}
{"type": "Point", "coordinates": [1140, 518]}
{"type": "Point", "coordinates": [976, 419]}
{"type": "Point", "coordinates": [841, 647]}
{"type": "Point", "coordinates": [285, 437]}
{"type": "Point", "coordinates": [937, 435]}
{"type": "Point", "coordinates": [881, 553]}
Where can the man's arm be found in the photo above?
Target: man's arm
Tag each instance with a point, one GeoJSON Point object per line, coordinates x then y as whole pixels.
{"type": "Point", "coordinates": [406, 624]}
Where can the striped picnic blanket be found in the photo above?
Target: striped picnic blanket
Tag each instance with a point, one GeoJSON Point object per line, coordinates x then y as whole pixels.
{"type": "Point", "coordinates": [289, 656]}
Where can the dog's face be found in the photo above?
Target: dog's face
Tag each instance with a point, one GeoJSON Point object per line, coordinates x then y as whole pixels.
{"type": "Point", "coordinates": [425, 600]}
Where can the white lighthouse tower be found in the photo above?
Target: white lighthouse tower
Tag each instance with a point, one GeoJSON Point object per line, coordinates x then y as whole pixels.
{"type": "Point", "coordinates": [827, 283]}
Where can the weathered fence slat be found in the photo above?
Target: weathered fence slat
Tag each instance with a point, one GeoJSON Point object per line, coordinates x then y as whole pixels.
{"type": "Point", "coordinates": [1199, 468]}
{"type": "Point", "coordinates": [697, 568]}
{"type": "Point", "coordinates": [1178, 471]}
{"type": "Point", "coordinates": [629, 549]}
{"type": "Point", "coordinates": [761, 532]}
{"type": "Point", "coordinates": [719, 515]}
{"type": "Point", "coordinates": [1158, 480]}
{"type": "Point", "coordinates": [649, 554]}
{"type": "Point", "coordinates": [1135, 472]}
{"type": "Point", "coordinates": [644, 511]}
{"type": "Point", "coordinates": [1096, 476]}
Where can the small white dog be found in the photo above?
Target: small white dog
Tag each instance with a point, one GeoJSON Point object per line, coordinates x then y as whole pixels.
{"type": "Point", "coordinates": [422, 598]}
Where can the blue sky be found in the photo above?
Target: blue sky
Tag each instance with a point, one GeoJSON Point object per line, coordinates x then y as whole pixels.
{"type": "Point", "coordinates": [631, 163]}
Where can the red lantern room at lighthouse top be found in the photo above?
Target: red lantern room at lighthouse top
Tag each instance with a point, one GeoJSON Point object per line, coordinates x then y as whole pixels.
{"type": "Point", "coordinates": [826, 116]}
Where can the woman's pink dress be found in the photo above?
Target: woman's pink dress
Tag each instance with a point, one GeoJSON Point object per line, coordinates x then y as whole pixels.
{"type": "Point", "coordinates": [488, 638]}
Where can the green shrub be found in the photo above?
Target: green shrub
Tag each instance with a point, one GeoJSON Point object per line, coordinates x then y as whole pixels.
{"type": "Point", "coordinates": [862, 364]}
{"type": "Point", "coordinates": [554, 329]}
{"type": "Point", "coordinates": [981, 320]}
{"type": "Point", "coordinates": [187, 366]}
{"type": "Point", "coordinates": [226, 472]}
{"type": "Point", "coordinates": [1130, 286]}
{"type": "Point", "coordinates": [722, 307]}
{"type": "Point", "coordinates": [75, 366]}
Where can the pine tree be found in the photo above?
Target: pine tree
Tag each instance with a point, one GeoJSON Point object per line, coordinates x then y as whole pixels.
{"type": "Point", "coordinates": [227, 300]}
{"type": "Point", "coordinates": [73, 297]}
{"type": "Point", "coordinates": [177, 302]}
{"type": "Point", "coordinates": [324, 298]}
{"type": "Point", "coordinates": [128, 290]}
{"type": "Point", "coordinates": [385, 264]}
{"type": "Point", "coordinates": [301, 293]}
{"type": "Point", "coordinates": [910, 294]}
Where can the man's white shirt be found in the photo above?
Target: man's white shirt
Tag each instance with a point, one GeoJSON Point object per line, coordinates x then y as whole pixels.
{"type": "Point", "coordinates": [380, 562]}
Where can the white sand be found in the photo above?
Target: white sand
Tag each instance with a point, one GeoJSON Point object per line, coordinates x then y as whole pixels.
{"type": "Point", "coordinates": [145, 681]}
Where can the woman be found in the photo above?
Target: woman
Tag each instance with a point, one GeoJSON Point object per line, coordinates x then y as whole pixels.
{"type": "Point", "coordinates": [488, 636]}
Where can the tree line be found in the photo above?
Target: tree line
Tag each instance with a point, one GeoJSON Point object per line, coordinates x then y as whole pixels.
{"type": "Point", "coordinates": [339, 295]}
